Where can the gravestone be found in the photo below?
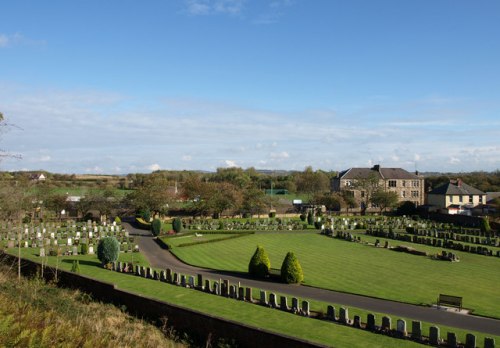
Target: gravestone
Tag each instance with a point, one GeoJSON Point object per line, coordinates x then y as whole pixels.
{"type": "Point", "coordinates": [191, 282]}
{"type": "Point", "coordinates": [75, 250]}
{"type": "Point", "coordinates": [357, 321]}
{"type": "Point", "coordinates": [232, 291]}
{"type": "Point", "coordinates": [272, 300]}
{"type": "Point", "coordinates": [207, 285]}
{"type": "Point", "coordinates": [169, 275]}
{"type": "Point", "coordinates": [434, 338]}
{"type": "Point", "coordinates": [386, 324]}
{"type": "Point", "coordinates": [330, 313]}
{"type": "Point", "coordinates": [344, 315]}
{"type": "Point", "coordinates": [42, 252]}
{"type": "Point", "coordinates": [306, 310]}
{"type": "Point", "coordinates": [216, 288]}
{"type": "Point", "coordinates": [283, 303]}
{"type": "Point", "coordinates": [370, 322]}
{"type": "Point", "coordinates": [489, 342]}
{"type": "Point", "coordinates": [263, 298]}
{"type": "Point", "coordinates": [401, 327]}
{"type": "Point", "coordinates": [470, 341]}
{"type": "Point", "coordinates": [138, 270]}
{"type": "Point", "coordinates": [163, 276]}
{"type": "Point", "coordinates": [91, 250]}
{"type": "Point", "coordinates": [70, 242]}
{"type": "Point", "coordinates": [416, 330]}
{"type": "Point", "coordinates": [451, 339]}
{"type": "Point", "coordinates": [183, 280]}
{"type": "Point", "coordinates": [199, 281]}
{"type": "Point", "coordinates": [295, 304]}
{"type": "Point", "coordinates": [241, 294]}
{"type": "Point", "coordinates": [225, 288]}
{"type": "Point", "coordinates": [248, 294]}
{"type": "Point", "coordinates": [175, 280]}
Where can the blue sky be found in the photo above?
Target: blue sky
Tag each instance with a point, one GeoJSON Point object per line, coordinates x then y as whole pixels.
{"type": "Point", "coordinates": [135, 86]}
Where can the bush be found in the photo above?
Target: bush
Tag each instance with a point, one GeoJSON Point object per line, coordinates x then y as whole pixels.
{"type": "Point", "coordinates": [247, 215]}
{"type": "Point", "coordinates": [156, 227]}
{"type": "Point", "coordinates": [84, 249]}
{"type": "Point", "coordinates": [75, 268]}
{"type": "Point", "coordinates": [317, 225]}
{"type": "Point", "coordinates": [118, 220]}
{"type": "Point", "coordinates": [291, 272]}
{"type": "Point", "coordinates": [272, 214]}
{"type": "Point", "coordinates": [108, 250]}
{"type": "Point", "coordinates": [177, 225]}
{"type": "Point", "coordinates": [310, 218]}
{"type": "Point", "coordinates": [259, 265]}
{"type": "Point", "coordinates": [302, 217]}
{"type": "Point", "coordinates": [485, 225]}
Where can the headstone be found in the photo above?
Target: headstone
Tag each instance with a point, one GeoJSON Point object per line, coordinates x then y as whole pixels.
{"type": "Point", "coordinates": [138, 270]}
{"type": "Point", "coordinates": [199, 282]}
{"type": "Point", "coordinates": [434, 337]}
{"type": "Point", "coordinates": [70, 242]}
{"type": "Point", "coordinates": [344, 315]}
{"type": "Point", "coordinates": [489, 342]}
{"type": "Point", "coordinates": [42, 252]}
{"type": "Point", "coordinates": [306, 308]}
{"type": "Point", "coordinates": [169, 275]}
{"type": "Point", "coordinates": [225, 288]}
{"type": "Point", "coordinates": [330, 313]}
{"type": "Point", "coordinates": [283, 303]}
{"type": "Point", "coordinates": [401, 328]}
{"type": "Point", "coordinates": [183, 280]}
{"type": "Point", "coordinates": [470, 341]}
{"type": "Point", "coordinates": [216, 290]}
{"type": "Point", "coordinates": [370, 322]}
{"type": "Point", "coordinates": [248, 294]}
{"type": "Point", "coordinates": [263, 298]}
{"type": "Point", "coordinates": [241, 294]}
{"type": "Point", "coordinates": [386, 324]}
{"type": "Point", "coordinates": [357, 322]}
{"type": "Point", "coordinates": [91, 250]}
{"type": "Point", "coordinates": [416, 330]}
{"type": "Point", "coordinates": [175, 280]}
{"type": "Point", "coordinates": [191, 282]}
{"type": "Point", "coordinates": [295, 304]}
{"type": "Point", "coordinates": [451, 339]}
{"type": "Point", "coordinates": [75, 250]}
{"type": "Point", "coordinates": [232, 291]}
{"type": "Point", "coordinates": [272, 300]}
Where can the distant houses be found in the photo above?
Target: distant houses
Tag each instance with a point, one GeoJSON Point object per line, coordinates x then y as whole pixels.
{"type": "Point", "coordinates": [456, 197]}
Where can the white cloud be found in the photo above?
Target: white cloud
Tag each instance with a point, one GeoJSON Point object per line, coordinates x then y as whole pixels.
{"type": "Point", "coordinates": [154, 167]}
{"type": "Point", "coordinates": [208, 7]}
{"type": "Point", "coordinates": [279, 155]}
{"type": "Point", "coordinates": [454, 160]}
{"type": "Point", "coordinates": [230, 163]}
{"type": "Point", "coordinates": [186, 158]}
{"type": "Point", "coordinates": [45, 158]}
{"type": "Point", "coordinates": [7, 40]}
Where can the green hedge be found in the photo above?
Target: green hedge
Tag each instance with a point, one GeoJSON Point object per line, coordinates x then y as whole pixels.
{"type": "Point", "coordinates": [142, 224]}
{"type": "Point", "coordinates": [213, 240]}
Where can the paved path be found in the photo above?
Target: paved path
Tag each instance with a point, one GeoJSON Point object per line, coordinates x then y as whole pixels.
{"type": "Point", "coordinates": [160, 258]}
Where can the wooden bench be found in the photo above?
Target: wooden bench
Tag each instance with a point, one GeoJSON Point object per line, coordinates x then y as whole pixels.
{"type": "Point", "coordinates": [450, 300]}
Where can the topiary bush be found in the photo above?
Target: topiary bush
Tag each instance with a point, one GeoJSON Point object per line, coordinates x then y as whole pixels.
{"type": "Point", "coordinates": [108, 250]}
{"type": "Point", "coordinates": [272, 214]}
{"type": "Point", "coordinates": [156, 227]}
{"type": "Point", "coordinates": [485, 225]}
{"type": "Point", "coordinates": [291, 272]}
{"type": "Point", "coordinates": [118, 220]}
{"type": "Point", "coordinates": [177, 225]}
{"type": "Point", "coordinates": [259, 265]}
{"type": "Point", "coordinates": [302, 217]}
{"type": "Point", "coordinates": [75, 268]}
{"type": "Point", "coordinates": [310, 218]}
{"type": "Point", "coordinates": [84, 249]}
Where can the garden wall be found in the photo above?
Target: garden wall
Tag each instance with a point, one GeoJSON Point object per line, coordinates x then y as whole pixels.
{"type": "Point", "coordinates": [198, 324]}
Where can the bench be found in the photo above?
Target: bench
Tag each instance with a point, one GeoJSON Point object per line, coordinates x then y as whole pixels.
{"type": "Point", "coordinates": [450, 300]}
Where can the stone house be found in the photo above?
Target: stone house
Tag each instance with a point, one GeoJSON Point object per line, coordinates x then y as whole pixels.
{"type": "Point", "coordinates": [408, 186]}
{"type": "Point", "coordinates": [456, 197]}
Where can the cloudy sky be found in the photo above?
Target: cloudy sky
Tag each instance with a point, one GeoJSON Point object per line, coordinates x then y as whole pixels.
{"type": "Point", "coordinates": [125, 86]}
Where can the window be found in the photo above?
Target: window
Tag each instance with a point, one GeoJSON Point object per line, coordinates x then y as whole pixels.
{"type": "Point", "coordinates": [461, 199]}
{"type": "Point", "coordinates": [404, 183]}
{"type": "Point", "coordinates": [362, 194]}
{"type": "Point", "coordinates": [451, 199]}
{"type": "Point", "coordinates": [348, 183]}
{"type": "Point", "coordinates": [471, 199]}
{"type": "Point", "coordinates": [415, 183]}
{"type": "Point", "coordinates": [414, 194]}
{"type": "Point", "coordinates": [392, 183]}
{"type": "Point", "coordinates": [403, 194]}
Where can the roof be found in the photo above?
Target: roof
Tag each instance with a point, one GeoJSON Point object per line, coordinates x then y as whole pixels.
{"type": "Point", "coordinates": [382, 173]}
{"type": "Point", "coordinates": [456, 189]}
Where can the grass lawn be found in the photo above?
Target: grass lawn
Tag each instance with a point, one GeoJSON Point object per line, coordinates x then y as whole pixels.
{"type": "Point", "coordinates": [355, 268]}
{"type": "Point", "coordinates": [274, 320]}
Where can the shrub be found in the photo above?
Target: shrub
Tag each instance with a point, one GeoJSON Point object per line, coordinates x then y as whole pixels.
{"type": "Point", "coordinates": [84, 249]}
{"type": "Point", "coordinates": [177, 225]}
{"type": "Point", "coordinates": [272, 214]}
{"type": "Point", "coordinates": [291, 272]}
{"type": "Point", "coordinates": [485, 225]}
{"type": "Point", "coordinates": [108, 250]}
{"type": "Point", "coordinates": [317, 225]}
{"type": "Point", "coordinates": [247, 215]}
{"type": "Point", "coordinates": [259, 265]}
{"type": "Point", "coordinates": [118, 220]}
{"type": "Point", "coordinates": [302, 217]}
{"type": "Point", "coordinates": [156, 227]}
{"type": "Point", "coordinates": [75, 268]}
{"type": "Point", "coordinates": [310, 218]}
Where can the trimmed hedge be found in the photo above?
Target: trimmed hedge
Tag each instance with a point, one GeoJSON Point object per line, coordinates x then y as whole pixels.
{"type": "Point", "coordinates": [212, 240]}
{"type": "Point", "coordinates": [291, 271]}
{"type": "Point", "coordinates": [156, 227]}
{"type": "Point", "coordinates": [108, 250]}
{"type": "Point", "coordinates": [260, 264]}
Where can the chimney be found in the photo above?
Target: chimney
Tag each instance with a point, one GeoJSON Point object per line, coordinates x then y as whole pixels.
{"type": "Point", "coordinates": [459, 182]}
{"type": "Point", "coordinates": [376, 167]}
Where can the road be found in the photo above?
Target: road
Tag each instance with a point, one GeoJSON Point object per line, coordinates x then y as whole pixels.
{"type": "Point", "coordinates": [160, 258]}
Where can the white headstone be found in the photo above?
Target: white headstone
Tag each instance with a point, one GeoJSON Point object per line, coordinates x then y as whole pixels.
{"type": "Point", "coordinates": [114, 223]}
{"type": "Point", "coordinates": [90, 234]}
{"type": "Point", "coordinates": [52, 235]}
{"type": "Point", "coordinates": [91, 250]}
{"type": "Point", "coordinates": [70, 242]}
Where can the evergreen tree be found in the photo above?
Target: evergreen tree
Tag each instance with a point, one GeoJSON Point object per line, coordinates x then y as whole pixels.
{"type": "Point", "coordinates": [291, 271]}
{"type": "Point", "coordinates": [259, 265]}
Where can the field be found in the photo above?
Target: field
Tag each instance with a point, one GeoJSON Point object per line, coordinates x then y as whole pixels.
{"type": "Point", "coordinates": [356, 268]}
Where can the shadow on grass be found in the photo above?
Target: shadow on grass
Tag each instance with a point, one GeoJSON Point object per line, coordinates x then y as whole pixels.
{"type": "Point", "coordinates": [83, 262]}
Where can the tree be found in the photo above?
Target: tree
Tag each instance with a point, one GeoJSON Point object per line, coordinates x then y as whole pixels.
{"type": "Point", "coordinates": [108, 250]}
{"type": "Point", "coordinates": [259, 265]}
{"type": "Point", "coordinates": [254, 201]}
{"type": "Point", "coordinates": [384, 199]}
{"type": "Point", "coordinates": [485, 225]}
{"type": "Point", "coordinates": [291, 271]}
{"type": "Point", "coordinates": [367, 186]}
{"type": "Point", "coordinates": [177, 225]}
{"type": "Point", "coordinates": [156, 227]}
{"type": "Point", "coordinates": [332, 201]}
{"type": "Point", "coordinates": [153, 194]}
{"type": "Point", "coordinates": [349, 199]}
{"type": "Point", "coordinates": [312, 182]}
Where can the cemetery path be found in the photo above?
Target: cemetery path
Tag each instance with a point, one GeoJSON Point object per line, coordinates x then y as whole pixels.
{"type": "Point", "coordinates": [161, 258]}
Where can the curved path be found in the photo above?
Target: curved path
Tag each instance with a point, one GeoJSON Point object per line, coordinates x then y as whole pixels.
{"type": "Point", "coordinates": [160, 258]}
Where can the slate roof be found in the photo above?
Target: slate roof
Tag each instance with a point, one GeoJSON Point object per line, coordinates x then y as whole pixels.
{"type": "Point", "coordinates": [382, 173]}
{"type": "Point", "coordinates": [454, 189]}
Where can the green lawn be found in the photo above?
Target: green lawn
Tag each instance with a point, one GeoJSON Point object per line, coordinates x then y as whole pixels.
{"type": "Point", "coordinates": [271, 319]}
{"type": "Point", "coordinates": [355, 268]}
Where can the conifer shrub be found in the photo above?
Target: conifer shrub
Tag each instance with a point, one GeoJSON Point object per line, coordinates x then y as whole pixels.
{"type": "Point", "coordinates": [108, 250]}
{"type": "Point", "coordinates": [84, 249]}
{"type": "Point", "coordinates": [291, 271]}
{"type": "Point", "coordinates": [118, 220]}
{"type": "Point", "coordinates": [302, 217]}
{"type": "Point", "coordinates": [259, 265]}
{"type": "Point", "coordinates": [310, 218]}
{"type": "Point", "coordinates": [485, 225]}
{"type": "Point", "coordinates": [156, 227]}
{"type": "Point", "coordinates": [75, 268]}
{"type": "Point", "coordinates": [177, 225]}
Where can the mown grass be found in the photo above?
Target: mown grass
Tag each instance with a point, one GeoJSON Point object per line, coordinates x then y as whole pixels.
{"type": "Point", "coordinates": [276, 321]}
{"type": "Point", "coordinates": [355, 268]}
{"type": "Point", "coordinates": [35, 314]}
